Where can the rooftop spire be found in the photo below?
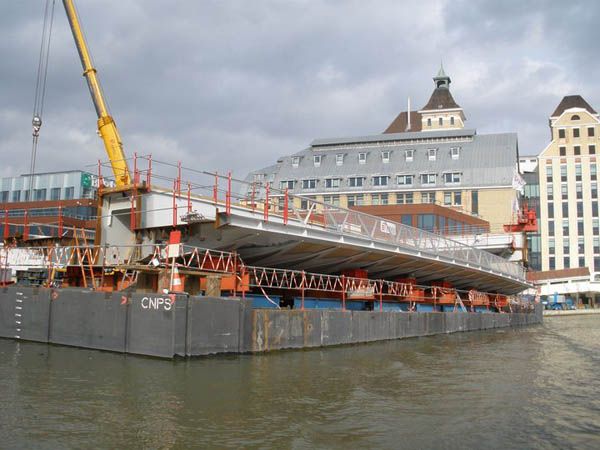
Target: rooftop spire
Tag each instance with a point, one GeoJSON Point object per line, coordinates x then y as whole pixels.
{"type": "Point", "coordinates": [441, 73]}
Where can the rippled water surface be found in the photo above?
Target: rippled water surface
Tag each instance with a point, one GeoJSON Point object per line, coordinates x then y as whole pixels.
{"type": "Point", "coordinates": [536, 387]}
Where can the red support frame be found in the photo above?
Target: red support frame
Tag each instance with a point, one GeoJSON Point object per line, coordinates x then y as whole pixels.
{"type": "Point", "coordinates": [228, 195]}
{"type": "Point", "coordinates": [216, 188]}
{"type": "Point", "coordinates": [189, 198]}
{"type": "Point", "coordinates": [149, 173]}
{"type": "Point", "coordinates": [174, 203]}
{"type": "Point", "coordinates": [285, 207]}
{"type": "Point", "coordinates": [6, 232]}
{"type": "Point", "coordinates": [60, 221]}
{"type": "Point", "coordinates": [26, 226]}
{"type": "Point", "coordinates": [266, 211]}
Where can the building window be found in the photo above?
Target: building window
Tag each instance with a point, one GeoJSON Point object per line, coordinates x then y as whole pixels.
{"type": "Point", "coordinates": [550, 191]}
{"type": "Point", "coordinates": [317, 160]}
{"type": "Point", "coordinates": [578, 172]}
{"type": "Point", "coordinates": [581, 261]}
{"type": "Point", "coordinates": [16, 196]}
{"type": "Point", "coordinates": [26, 196]}
{"type": "Point", "coordinates": [552, 263]}
{"type": "Point", "coordinates": [333, 200]}
{"type": "Point", "coordinates": [575, 132]}
{"type": "Point", "coordinates": [580, 208]}
{"type": "Point", "coordinates": [563, 172]}
{"type": "Point", "coordinates": [356, 200]}
{"type": "Point", "coordinates": [331, 183]}
{"type": "Point", "coordinates": [565, 227]}
{"type": "Point", "coordinates": [565, 209]}
{"type": "Point", "coordinates": [564, 191]}
{"type": "Point", "coordinates": [429, 122]}
{"type": "Point", "coordinates": [451, 120]}
{"type": "Point", "coordinates": [455, 152]}
{"type": "Point", "coordinates": [452, 178]}
{"type": "Point", "coordinates": [309, 184]}
{"type": "Point", "coordinates": [362, 158]}
{"type": "Point", "coordinates": [428, 178]}
{"type": "Point", "coordinates": [385, 157]}
{"type": "Point", "coordinates": [295, 161]}
{"type": "Point", "coordinates": [577, 150]}
{"type": "Point", "coordinates": [551, 228]}
{"type": "Point", "coordinates": [551, 210]}
{"type": "Point", "coordinates": [594, 189]}
{"type": "Point", "coordinates": [286, 184]}
{"type": "Point", "coordinates": [566, 262]}
{"type": "Point", "coordinates": [447, 198]}
{"type": "Point", "coordinates": [306, 202]}
{"type": "Point", "coordinates": [575, 117]}
{"type": "Point", "coordinates": [475, 202]}
{"type": "Point", "coordinates": [592, 149]}
{"type": "Point", "coordinates": [379, 199]}
{"type": "Point", "coordinates": [561, 133]}
{"type": "Point", "coordinates": [579, 191]}
{"type": "Point", "coordinates": [595, 226]}
{"type": "Point", "coordinates": [404, 198]}
{"type": "Point", "coordinates": [55, 194]}
{"type": "Point", "coordinates": [39, 195]}
{"type": "Point", "coordinates": [594, 209]}
{"type": "Point", "coordinates": [580, 245]}
{"type": "Point", "coordinates": [562, 151]}
{"type": "Point", "coordinates": [591, 132]}
{"type": "Point", "coordinates": [596, 245]}
{"type": "Point", "coordinates": [404, 180]}
{"type": "Point", "coordinates": [551, 246]}
{"type": "Point", "coordinates": [339, 159]}
{"type": "Point", "coordinates": [431, 153]}
{"type": "Point", "coordinates": [566, 246]}
{"type": "Point", "coordinates": [441, 121]}
{"type": "Point", "coordinates": [380, 180]}
{"type": "Point", "coordinates": [593, 170]}
{"type": "Point", "coordinates": [4, 196]}
{"type": "Point", "coordinates": [548, 173]}
{"type": "Point", "coordinates": [356, 181]}
{"type": "Point", "coordinates": [579, 227]}
{"type": "Point", "coordinates": [427, 197]}
{"type": "Point", "coordinates": [409, 155]}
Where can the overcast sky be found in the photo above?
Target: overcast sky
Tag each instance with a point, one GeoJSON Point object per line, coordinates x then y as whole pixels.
{"type": "Point", "coordinates": [235, 84]}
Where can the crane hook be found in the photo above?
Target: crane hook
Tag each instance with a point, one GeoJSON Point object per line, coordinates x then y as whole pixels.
{"type": "Point", "coordinates": [37, 124]}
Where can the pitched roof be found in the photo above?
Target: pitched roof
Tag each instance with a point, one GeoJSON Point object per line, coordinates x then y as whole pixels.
{"type": "Point", "coordinates": [572, 101]}
{"type": "Point", "coordinates": [485, 160]}
{"type": "Point", "coordinates": [400, 123]}
{"type": "Point", "coordinates": [441, 98]}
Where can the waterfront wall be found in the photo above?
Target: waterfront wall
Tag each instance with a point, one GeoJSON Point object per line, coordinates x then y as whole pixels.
{"type": "Point", "coordinates": [168, 326]}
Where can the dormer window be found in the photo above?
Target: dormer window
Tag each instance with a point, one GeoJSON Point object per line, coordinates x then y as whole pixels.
{"type": "Point", "coordinates": [431, 154]}
{"type": "Point", "coordinates": [259, 177]}
{"type": "Point", "coordinates": [575, 117]}
{"type": "Point", "coordinates": [404, 180]}
{"type": "Point", "coordinates": [362, 157]}
{"type": "Point", "coordinates": [451, 120]}
{"type": "Point", "coordinates": [309, 184]}
{"type": "Point", "coordinates": [317, 160]}
{"type": "Point", "coordinates": [429, 122]}
{"type": "Point", "coordinates": [452, 178]}
{"type": "Point", "coordinates": [295, 161]}
{"type": "Point", "coordinates": [381, 180]}
{"type": "Point", "coordinates": [455, 152]}
{"type": "Point", "coordinates": [428, 178]}
{"type": "Point", "coordinates": [286, 184]}
{"type": "Point", "coordinates": [331, 183]}
{"type": "Point", "coordinates": [385, 157]}
{"type": "Point", "coordinates": [339, 159]}
{"type": "Point", "coordinates": [441, 121]}
{"type": "Point", "coordinates": [409, 155]}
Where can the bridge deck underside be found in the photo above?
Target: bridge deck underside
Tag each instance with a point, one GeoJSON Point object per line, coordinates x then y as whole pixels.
{"type": "Point", "coordinates": [268, 249]}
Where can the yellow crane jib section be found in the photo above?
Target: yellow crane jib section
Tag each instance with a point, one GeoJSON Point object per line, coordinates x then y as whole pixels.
{"type": "Point", "coordinates": [106, 125]}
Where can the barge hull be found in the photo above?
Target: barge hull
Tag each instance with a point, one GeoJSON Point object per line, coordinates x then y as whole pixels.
{"type": "Point", "coordinates": [180, 325]}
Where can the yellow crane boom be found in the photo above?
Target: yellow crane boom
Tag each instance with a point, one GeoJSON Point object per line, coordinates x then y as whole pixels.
{"type": "Point", "coordinates": [106, 125]}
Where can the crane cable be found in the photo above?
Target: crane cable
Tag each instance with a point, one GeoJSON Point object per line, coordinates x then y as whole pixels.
{"type": "Point", "coordinates": [40, 85]}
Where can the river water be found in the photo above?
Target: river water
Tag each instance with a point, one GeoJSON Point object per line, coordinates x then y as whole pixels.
{"type": "Point", "coordinates": [535, 387]}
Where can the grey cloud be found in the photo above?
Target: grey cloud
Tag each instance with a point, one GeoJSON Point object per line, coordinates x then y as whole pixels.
{"type": "Point", "coordinates": [234, 85]}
